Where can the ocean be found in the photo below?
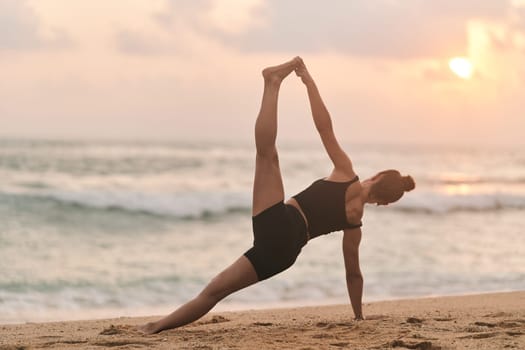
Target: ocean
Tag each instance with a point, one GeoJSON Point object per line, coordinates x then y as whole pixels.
{"type": "Point", "coordinates": [113, 228]}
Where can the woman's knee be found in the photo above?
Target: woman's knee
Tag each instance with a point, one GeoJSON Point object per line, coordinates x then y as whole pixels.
{"type": "Point", "coordinates": [277, 266]}
{"type": "Point", "coordinates": [215, 291]}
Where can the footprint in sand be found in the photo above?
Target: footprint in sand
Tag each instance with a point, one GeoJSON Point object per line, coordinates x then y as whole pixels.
{"type": "Point", "coordinates": [376, 317]}
{"type": "Point", "coordinates": [322, 336]}
{"type": "Point", "coordinates": [497, 314]}
{"type": "Point", "coordinates": [414, 320]}
{"type": "Point", "coordinates": [111, 344]}
{"type": "Point", "coordinates": [515, 326]}
{"type": "Point", "coordinates": [475, 329]}
{"type": "Point", "coordinates": [328, 325]}
{"type": "Point", "coordinates": [480, 335]}
{"type": "Point", "coordinates": [111, 330]}
{"type": "Point", "coordinates": [219, 319]}
{"type": "Point", "coordinates": [214, 319]}
{"type": "Point", "coordinates": [425, 345]}
{"type": "Point", "coordinates": [59, 342]}
{"type": "Point", "coordinates": [341, 345]}
{"type": "Point", "coordinates": [512, 323]}
{"type": "Point", "coordinates": [485, 324]}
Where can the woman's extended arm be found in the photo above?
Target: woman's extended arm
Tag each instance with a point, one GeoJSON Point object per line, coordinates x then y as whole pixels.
{"type": "Point", "coordinates": [354, 277]}
{"type": "Point", "coordinates": [323, 124]}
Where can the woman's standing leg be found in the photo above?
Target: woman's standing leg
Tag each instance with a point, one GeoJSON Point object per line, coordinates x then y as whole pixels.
{"type": "Point", "coordinates": [237, 276]}
{"type": "Point", "coordinates": [268, 190]}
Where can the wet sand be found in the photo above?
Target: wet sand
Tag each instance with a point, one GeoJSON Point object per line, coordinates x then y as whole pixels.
{"type": "Point", "coordinates": [485, 321]}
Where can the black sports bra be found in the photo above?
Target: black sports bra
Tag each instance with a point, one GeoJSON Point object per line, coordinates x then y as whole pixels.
{"type": "Point", "coordinates": [324, 205]}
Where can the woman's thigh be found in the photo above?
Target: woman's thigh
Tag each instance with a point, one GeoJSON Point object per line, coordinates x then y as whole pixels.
{"type": "Point", "coordinates": [268, 186]}
{"type": "Point", "coordinates": [237, 276]}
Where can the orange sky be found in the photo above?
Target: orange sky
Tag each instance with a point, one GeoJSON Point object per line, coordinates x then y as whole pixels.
{"type": "Point", "coordinates": [169, 69]}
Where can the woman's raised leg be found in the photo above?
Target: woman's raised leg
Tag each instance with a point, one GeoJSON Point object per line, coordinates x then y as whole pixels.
{"type": "Point", "coordinates": [267, 184]}
{"type": "Point", "coordinates": [268, 190]}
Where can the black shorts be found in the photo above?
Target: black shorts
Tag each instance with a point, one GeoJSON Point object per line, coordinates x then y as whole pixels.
{"type": "Point", "coordinates": [279, 234]}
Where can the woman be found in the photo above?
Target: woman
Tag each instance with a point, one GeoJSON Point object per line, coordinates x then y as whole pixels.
{"type": "Point", "coordinates": [282, 229]}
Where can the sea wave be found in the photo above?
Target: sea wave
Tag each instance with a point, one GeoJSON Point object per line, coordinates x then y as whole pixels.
{"type": "Point", "coordinates": [190, 205]}
{"type": "Point", "coordinates": [206, 204]}
{"type": "Point", "coordinates": [457, 180]}
{"type": "Point", "coordinates": [439, 203]}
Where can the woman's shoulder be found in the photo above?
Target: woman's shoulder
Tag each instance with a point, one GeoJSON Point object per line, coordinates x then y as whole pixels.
{"type": "Point", "coordinates": [342, 176]}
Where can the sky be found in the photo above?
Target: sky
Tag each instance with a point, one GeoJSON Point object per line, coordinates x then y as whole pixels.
{"type": "Point", "coordinates": [191, 70]}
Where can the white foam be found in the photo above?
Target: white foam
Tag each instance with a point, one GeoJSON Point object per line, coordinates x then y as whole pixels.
{"type": "Point", "coordinates": [179, 205]}
{"type": "Point", "coordinates": [432, 202]}
{"type": "Point", "coordinates": [197, 204]}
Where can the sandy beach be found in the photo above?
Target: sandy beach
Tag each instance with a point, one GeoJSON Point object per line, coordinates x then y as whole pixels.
{"type": "Point", "coordinates": [485, 321]}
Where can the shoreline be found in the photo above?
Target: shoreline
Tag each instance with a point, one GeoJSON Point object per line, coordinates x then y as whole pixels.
{"type": "Point", "coordinates": [481, 321]}
{"type": "Point", "coordinates": [221, 307]}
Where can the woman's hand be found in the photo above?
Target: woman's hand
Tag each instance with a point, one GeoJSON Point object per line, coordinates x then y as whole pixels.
{"type": "Point", "coordinates": [303, 73]}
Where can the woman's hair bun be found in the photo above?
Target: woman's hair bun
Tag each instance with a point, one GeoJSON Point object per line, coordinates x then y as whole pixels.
{"type": "Point", "coordinates": [408, 183]}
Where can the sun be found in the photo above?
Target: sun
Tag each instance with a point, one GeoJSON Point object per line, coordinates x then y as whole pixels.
{"type": "Point", "coordinates": [461, 66]}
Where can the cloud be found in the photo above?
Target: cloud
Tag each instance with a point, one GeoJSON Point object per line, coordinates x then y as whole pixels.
{"type": "Point", "coordinates": [169, 31]}
{"type": "Point", "coordinates": [20, 29]}
{"type": "Point", "coordinates": [184, 23]}
{"type": "Point", "coordinates": [387, 28]}
{"type": "Point", "coordinates": [510, 35]}
{"type": "Point", "coordinates": [439, 74]}
{"type": "Point", "coordinates": [380, 28]}
{"type": "Point", "coordinates": [136, 43]}
{"type": "Point", "coordinates": [519, 24]}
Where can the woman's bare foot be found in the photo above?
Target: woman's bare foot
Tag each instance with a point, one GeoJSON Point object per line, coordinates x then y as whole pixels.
{"type": "Point", "coordinates": [302, 72]}
{"type": "Point", "coordinates": [276, 74]}
{"type": "Point", "coordinates": [148, 328]}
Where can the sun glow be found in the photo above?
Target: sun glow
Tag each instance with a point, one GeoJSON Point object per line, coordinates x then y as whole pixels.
{"type": "Point", "coordinates": [461, 66]}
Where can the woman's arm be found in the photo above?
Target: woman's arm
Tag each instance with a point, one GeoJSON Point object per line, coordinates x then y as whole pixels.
{"type": "Point", "coordinates": [323, 124]}
{"type": "Point", "coordinates": [354, 277]}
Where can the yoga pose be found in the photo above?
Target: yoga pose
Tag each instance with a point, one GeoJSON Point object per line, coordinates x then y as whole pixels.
{"type": "Point", "coordinates": [281, 229]}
